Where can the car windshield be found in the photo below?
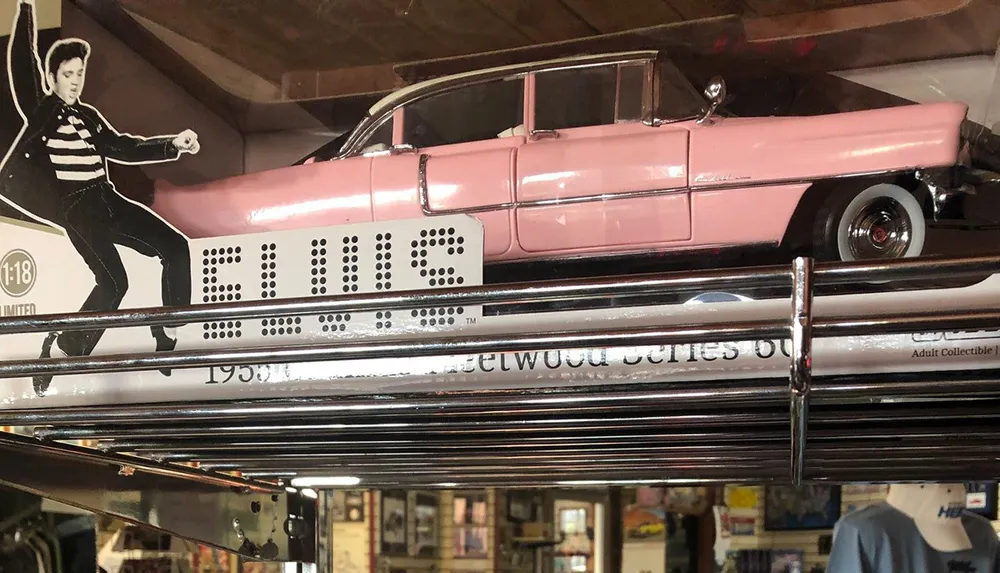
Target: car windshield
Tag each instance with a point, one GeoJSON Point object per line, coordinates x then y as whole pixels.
{"type": "Point", "coordinates": [678, 97]}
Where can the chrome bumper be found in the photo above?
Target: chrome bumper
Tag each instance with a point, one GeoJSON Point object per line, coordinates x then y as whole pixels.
{"type": "Point", "coordinates": [950, 186]}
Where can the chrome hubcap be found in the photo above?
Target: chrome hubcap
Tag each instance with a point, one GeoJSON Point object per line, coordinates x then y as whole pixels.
{"type": "Point", "coordinates": [882, 229]}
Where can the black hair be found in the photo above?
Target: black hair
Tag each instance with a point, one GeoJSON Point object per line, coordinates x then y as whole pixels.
{"type": "Point", "coordinates": [65, 51]}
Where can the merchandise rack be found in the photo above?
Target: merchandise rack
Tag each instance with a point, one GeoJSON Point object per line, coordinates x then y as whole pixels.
{"type": "Point", "coordinates": [227, 473]}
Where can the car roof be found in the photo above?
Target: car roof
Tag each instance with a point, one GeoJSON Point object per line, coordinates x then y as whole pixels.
{"type": "Point", "coordinates": [442, 83]}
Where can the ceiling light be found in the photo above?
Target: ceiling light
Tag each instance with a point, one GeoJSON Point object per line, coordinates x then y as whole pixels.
{"type": "Point", "coordinates": [327, 481]}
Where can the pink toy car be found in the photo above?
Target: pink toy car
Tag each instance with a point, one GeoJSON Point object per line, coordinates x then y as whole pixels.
{"type": "Point", "coordinates": [610, 154]}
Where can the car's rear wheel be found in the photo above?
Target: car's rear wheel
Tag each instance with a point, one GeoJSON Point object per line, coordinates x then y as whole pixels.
{"type": "Point", "coordinates": [883, 221]}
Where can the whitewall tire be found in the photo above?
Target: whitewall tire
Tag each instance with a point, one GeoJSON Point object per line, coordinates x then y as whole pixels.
{"type": "Point", "coordinates": [884, 221]}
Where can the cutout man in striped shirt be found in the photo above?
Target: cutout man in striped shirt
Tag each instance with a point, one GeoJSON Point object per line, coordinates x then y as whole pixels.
{"type": "Point", "coordinates": [56, 172]}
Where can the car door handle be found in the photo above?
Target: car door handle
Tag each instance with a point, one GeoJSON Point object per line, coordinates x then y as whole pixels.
{"type": "Point", "coordinates": [537, 134]}
{"type": "Point", "coordinates": [401, 149]}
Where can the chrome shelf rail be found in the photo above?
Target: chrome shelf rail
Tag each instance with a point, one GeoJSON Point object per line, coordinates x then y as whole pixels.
{"type": "Point", "coordinates": [824, 274]}
{"type": "Point", "coordinates": [801, 369]}
{"type": "Point", "coordinates": [900, 426]}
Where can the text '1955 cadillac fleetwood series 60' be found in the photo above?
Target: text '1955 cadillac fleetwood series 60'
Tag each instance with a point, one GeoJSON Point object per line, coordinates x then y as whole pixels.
{"type": "Point", "coordinates": [610, 154]}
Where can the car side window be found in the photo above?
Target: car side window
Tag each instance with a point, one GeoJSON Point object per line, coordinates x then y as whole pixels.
{"type": "Point", "coordinates": [380, 139]}
{"type": "Point", "coordinates": [583, 97]}
{"type": "Point", "coordinates": [631, 86]}
{"type": "Point", "coordinates": [471, 113]}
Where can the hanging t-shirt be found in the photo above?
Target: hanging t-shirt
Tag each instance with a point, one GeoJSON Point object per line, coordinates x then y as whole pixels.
{"type": "Point", "coordinates": [882, 539]}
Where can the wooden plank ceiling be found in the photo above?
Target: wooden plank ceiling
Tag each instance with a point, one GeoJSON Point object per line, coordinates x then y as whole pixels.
{"type": "Point", "coordinates": [277, 39]}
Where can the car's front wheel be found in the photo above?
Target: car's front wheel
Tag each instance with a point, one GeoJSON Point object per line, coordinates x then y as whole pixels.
{"type": "Point", "coordinates": [883, 221]}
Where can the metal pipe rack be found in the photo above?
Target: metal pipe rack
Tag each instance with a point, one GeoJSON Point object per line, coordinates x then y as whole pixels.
{"type": "Point", "coordinates": [246, 459]}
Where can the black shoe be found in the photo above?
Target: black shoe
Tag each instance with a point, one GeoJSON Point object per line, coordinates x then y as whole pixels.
{"type": "Point", "coordinates": [42, 381]}
{"type": "Point", "coordinates": [165, 344]}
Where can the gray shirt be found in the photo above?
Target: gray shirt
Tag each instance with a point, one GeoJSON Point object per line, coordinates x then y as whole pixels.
{"type": "Point", "coordinates": [882, 539]}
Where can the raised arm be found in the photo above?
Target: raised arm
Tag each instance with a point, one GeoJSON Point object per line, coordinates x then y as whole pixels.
{"type": "Point", "coordinates": [23, 63]}
{"type": "Point", "coordinates": [133, 149]}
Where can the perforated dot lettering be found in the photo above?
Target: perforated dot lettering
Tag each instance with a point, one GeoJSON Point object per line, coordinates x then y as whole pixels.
{"type": "Point", "coordinates": [334, 322]}
{"type": "Point", "coordinates": [213, 290]}
{"type": "Point", "coordinates": [383, 320]}
{"type": "Point", "coordinates": [217, 330]}
{"type": "Point", "coordinates": [444, 239]}
{"type": "Point", "coordinates": [281, 326]}
{"type": "Point", "coordinates": [268, 273]}
{"type": "Point", "coordinates": [383, 265]}
{"type": "Point", "coordinates": [349, 276]}
{"type": "Point", "coordinates": [438, 316]}
{"type": "Point", "coordinates": [318, 265]}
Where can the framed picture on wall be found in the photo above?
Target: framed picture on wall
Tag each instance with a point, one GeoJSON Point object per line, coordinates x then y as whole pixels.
{"type": "Point", "coordinates": [471, 531]}
{"type": "Point", "coordinates": [981, 498]}
{"type": "Point", "coordinates": [575, 531]}
{"type": "Point", "coordinates": [426, 541]}
{"type": "Point", "coordinates": [354, 506]}
{"type": "Point", "coordinates": [393, 520]}
{"type": "Point", "coordinates": [789, 508]}
{"type": "Point", "coordinates": [521, 507]}
{"type": "Point", "coordinates": [338, 506]}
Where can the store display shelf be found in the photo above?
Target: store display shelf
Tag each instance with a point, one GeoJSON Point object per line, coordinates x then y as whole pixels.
{"type": "Point", "coordinates": [869, 425]}
{"type": "Point", "coordinates": [255, 519]}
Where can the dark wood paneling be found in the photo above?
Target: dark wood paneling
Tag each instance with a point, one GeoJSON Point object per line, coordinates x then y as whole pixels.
{"type": "Point", "coordinates": [274, 37]}
{"type": "Point", "coordinates": [149, 47]}
{"type": "Point", "coordinates": [828, 4]}
{"type": "Point", "coordinates": [267, 42]}
{"type": "Point", "coordinates": [216, 30]}
{"type": "Point", "coordinates": [340, 20]}
{"type": "Point", "coordinates": [694, 9]}
{"type": "Point", "coordinates": [677, 39]}
{"type": "Point", "coordinates": [623, 15]}
{"type": "Point", "coordinates": [382, 30]}
{"type": "Point", "coordinates": [423, 38]}
{"type": "Point", "coordinates": [542, 20]}
{"type": "Point", "coordinates": [352, 81]}
{"type": "Point", "coordinates": [973, 29]}
{"type": "Point", "coordinates": [466, 26]}
{"type": "Point", "coordinates": [775, 7]}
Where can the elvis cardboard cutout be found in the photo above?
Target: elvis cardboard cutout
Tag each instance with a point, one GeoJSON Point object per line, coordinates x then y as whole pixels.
{"type": "Point", "coordinates": [56, 173]}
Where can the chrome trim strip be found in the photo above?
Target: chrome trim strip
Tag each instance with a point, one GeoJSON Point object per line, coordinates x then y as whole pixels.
{"type": "Point", "coordinates": [423, 191]}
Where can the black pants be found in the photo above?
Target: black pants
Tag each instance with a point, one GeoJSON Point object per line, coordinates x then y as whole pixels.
{"type": "Point", "coordinates": [96, 219]}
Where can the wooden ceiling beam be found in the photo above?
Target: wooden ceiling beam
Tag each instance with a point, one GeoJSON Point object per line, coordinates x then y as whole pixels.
{"type": "Point", "coordinates": [697, 9]}
{"type": "Point", "coordinates": [340, 82]}
{"type": "Point", "coordinates": [724, 45]}
{"type": "Point", "coordinates": [327, 15]}
{"type": "Point", "coordinates": [404, 10]}
{"type": "Point", "coordinates": [382, 30]}
{"type": "Point", "coordinates": [776, 7]}
{"type": "Point", "coordinates": [464, 26]}
{"type": "Point", "coordinates": [686, 36]}
{"type": "Point", "coordinates": [866, 14]}
{"type": "Point", "coordinates": [542, 21]}
{"type": "Point", "coordinates": [608, 17]}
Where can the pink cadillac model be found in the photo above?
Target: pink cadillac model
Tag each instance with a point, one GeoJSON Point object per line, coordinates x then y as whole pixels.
{"type": "Point", "coordinates": [607, 155]}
